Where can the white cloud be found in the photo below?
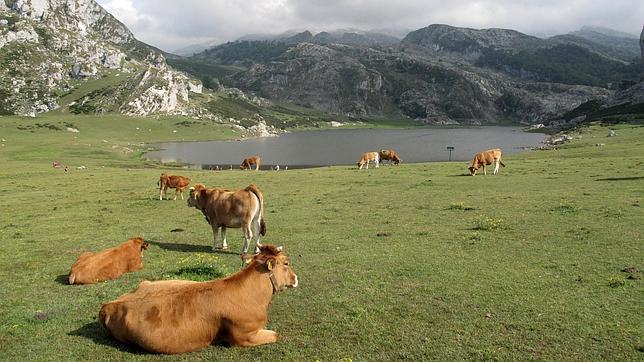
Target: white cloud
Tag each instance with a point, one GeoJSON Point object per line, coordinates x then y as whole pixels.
{"type": "Point", "coordinates": [171, 24]}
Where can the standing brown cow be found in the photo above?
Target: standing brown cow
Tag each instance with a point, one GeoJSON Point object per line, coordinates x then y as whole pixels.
{"type": "Point", "coordinates": [175, 316]}
{"type": "Point", "coordinates": [248, 161]}
{"type": "Point", "coordinates": [369, 156]}
{"type": "Point", "coordinates": [166, 181]}
{"type": "Point", "coordinates": [235, 209]}
{"type": "Point", "coordinates": [485, 158]}
{"type": "Point", "coordinates": [108, 264]}
{"type": "Point", "coordinates": [390, 155]}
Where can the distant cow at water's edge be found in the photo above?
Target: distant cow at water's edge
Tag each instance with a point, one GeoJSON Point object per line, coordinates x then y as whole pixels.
{"type": "Point", "coordinates": [482, 159]}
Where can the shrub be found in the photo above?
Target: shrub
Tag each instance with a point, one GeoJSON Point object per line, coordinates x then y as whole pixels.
{"type": "Point", "coordinates": [486, 223]}
{"type": "Point", "coordinates": [199, 267]}
{"type": "Point", "coordinates": [615, 282]}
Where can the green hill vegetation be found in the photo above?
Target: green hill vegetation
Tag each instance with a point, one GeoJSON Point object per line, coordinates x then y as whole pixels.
{"type": "Point", "coordinates": [543, 261]}
{"type": "Point", "coordinates": [562, 63]}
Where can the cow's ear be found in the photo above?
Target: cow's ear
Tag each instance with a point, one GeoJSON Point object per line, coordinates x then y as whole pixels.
{"type": "Point", "coordinates": [270, 263]}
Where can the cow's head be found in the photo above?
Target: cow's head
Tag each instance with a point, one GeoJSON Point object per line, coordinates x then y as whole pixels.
{"type": "Point", "coordinates": [244, 165]}
{"type": "Point", "coordinates": [195, 192]}
{"type": "Point", "coordinates": [273, 260]}
{"type": "Point", "coordinates": [473, 170]}
{"type": "Point", "coordinates": [139, 243]}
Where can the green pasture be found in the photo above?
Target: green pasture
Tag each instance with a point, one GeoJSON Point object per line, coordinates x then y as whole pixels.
{"type": "Point", "coordinates": [416, 261]}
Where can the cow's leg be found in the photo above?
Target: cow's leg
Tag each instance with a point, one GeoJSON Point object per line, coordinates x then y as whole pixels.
{"type": "Point", "coordinates": [248, 234]}
{"type": "Point", "coordinates": [224, 244]}
{"type": "Point", "coordinates": [176, 192]}
{"type": "Point", "coordinates": [256, 230]}
{"type": "Point", "coordinates": [496, 167]}
{"type": "Point", "coordinates": [367, 165]}
{"type": "Point", "coordinates": [262, 336]}
{"type": "Point", "coordinates": [484, 170]}
{"type": "Point", "coordinates": [215, 231]}
{"type": "Point", "coordinates": [377, 163]}
{"type": "Point", "coordinates": [181, 193]}
{"type": "Point", "coordinates": [161, 189]}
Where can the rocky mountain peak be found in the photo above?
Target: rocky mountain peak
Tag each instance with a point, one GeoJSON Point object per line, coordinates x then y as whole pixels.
{"type": "Point", "coordinates": [445, 39]}
{"type": "Point", "coordinates": [82, 42]}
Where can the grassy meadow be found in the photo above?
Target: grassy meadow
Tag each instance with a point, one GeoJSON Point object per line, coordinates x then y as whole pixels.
{"type": "Point", "coordinates": [415, 262]}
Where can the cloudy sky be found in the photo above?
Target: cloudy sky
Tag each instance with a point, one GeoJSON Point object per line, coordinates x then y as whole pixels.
{"type": "Point", "coordinates": [172, 24]}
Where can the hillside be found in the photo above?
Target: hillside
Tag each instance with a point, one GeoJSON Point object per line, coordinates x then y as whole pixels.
{"type": "Point", "coordinates": [51, 49]}
{"type": "Point", "coordinates": [438, 74]}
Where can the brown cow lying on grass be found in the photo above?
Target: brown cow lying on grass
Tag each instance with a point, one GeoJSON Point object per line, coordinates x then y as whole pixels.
{"type": "Point", "coordinates": [248, 161]}
{"type": "Point", "coordinates": [175, 316]}
{"type": "Point", "coordinates": [108, 264]}
{"type": "Point", "coordinates": [233, 209]}
{"type": "Point", "coordinates": [389, 155]}
{"type": "Point", "coordinates": [369, 156]}
{"type": "Point", "coordinates": [485, 158]}
{"type": "Point", "coordinates": [167, 181]}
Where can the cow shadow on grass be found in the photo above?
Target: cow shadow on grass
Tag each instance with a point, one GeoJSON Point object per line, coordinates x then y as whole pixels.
{"type": "Point", "coordinates": [189, 248]}
{"type": "Point", "coordinates": [62, 279]}
{"type": "Point", "coordinates": [95, 332]}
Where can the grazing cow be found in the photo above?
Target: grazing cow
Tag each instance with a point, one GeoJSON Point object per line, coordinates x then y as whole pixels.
{"type": "Point", "coordinates": [369, 156]}
{"type": "Point", "coordinates": [248, 161]}
{"type": "Point", "coordinates": [176, 316]}
{"type": "Point", "coordinates": [389, 155]}
{"type": "Point", "coordinates": [178, 183]}
{"type": "Point", "coordinates": [486, 158]}
{"type": "Point", "coordinates": [108, 264]}
{"type": "Point", "coordinates": [233, 209]}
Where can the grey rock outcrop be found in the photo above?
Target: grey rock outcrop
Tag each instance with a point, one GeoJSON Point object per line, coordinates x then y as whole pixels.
{"type": "Point", "coordinates": [81, 40]}
{"type": "Point", "coordinates": [360, 82]}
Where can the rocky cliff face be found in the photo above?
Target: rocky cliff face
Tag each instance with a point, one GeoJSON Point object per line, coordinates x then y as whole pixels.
{"type": "Point", "coordinates": [49, 48]}
{"type": "Point", "coordinates": [360, 81]}
{"type": "Point", "coordinates": [465, 43]}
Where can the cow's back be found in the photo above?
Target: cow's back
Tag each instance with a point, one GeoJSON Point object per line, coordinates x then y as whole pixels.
{"type": "Point", "coordinates": [105, 265]}
{"type": "Point", "coordinates": [164, 317]}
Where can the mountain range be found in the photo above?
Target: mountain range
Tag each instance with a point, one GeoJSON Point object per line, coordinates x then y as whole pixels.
{"type": "Point", "coordinates": [73, 56]}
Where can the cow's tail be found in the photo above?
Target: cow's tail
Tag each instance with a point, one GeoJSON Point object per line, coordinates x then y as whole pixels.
{"type": "Point", "coordinates": [262, 225]}
{"type": "Point", "coordinates": [501, 163]}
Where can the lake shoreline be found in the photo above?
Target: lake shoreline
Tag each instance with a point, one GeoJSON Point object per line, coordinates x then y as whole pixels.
{"type": "Point", "coordinates": [343, 146]}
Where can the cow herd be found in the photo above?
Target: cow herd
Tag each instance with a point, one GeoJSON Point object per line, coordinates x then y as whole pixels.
{"type": "Point", "coordinates": [175, 316]}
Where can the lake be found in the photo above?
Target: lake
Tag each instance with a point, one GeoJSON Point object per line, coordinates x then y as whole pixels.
{"type": "Point", "coordinates": [344, 146]}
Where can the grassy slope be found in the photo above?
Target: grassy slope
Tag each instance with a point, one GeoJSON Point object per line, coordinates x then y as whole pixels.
{"type": "Point", "coordinates": [392, 263]}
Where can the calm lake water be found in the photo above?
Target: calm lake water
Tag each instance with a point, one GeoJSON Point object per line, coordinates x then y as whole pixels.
{"type": "Point", "coordinates": [344, 146]}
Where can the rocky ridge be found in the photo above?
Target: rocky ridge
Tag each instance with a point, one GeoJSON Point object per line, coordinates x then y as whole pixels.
{"type": "Point", "coordinates": [358, 82]}
{"type": "Point", "coordinates": [49, 48]}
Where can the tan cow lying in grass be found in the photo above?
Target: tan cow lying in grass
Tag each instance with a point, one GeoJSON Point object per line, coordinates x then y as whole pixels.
{"type": "Point", "coordinates": [231, 209]}
{"type": "Point", "coordinates": [166, 181]}
{"type": "Point", "coordinates": [248, 161]}
{"type": "Point", "coordinates": [108, 264]}
{"type": "Point", "coordinates": [175, 316]}
{"type": "Point", "coordinates": [369, 156]}
{"type": "Point", "coordinates": [485, 158]}
{"type": "Point", "coordinates": [389, 155]}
